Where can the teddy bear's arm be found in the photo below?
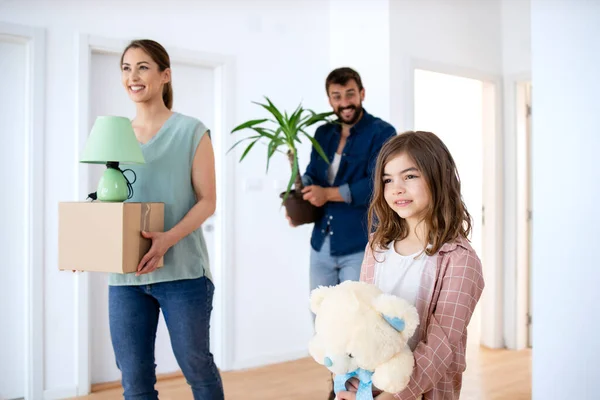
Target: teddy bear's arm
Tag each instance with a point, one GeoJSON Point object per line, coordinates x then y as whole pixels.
{"type": "Point", "coordinates": [393, 376]}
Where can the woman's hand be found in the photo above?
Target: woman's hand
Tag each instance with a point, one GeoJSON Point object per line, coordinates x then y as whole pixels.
{"type": "Point", "coordinates": [161, 242]}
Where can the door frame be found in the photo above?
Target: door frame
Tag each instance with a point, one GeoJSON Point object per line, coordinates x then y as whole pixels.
{"type": "Point", "coordinates": [522, 290]}
{"type": "Point", "coordinates": [34, 39]}
{"type": "Point", "coordinates": [492, 308]}
{"type": "Point", "coordinates": [223, 67]}
{"type": "Point", "coordinates": [516, 276]}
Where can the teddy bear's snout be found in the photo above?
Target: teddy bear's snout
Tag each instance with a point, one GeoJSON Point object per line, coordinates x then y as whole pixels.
{"type": "Point", "coordinates": [340, 363]}
{"type": "Point", "coordinates": [328, 362]}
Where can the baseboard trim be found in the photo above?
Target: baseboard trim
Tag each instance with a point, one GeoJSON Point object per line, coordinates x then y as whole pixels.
{"type": "Point", "coordinates": [60, 393]}
{"type": "Point", "coordinates": [249, 363]}
{"type": "Point", "coordinates": [269, 359]}
{"type": "Point", "coordinates": [100, 387]}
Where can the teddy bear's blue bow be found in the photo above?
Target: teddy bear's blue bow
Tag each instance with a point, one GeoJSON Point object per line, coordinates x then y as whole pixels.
{"type": "Point", "coordinates": [364, 388]}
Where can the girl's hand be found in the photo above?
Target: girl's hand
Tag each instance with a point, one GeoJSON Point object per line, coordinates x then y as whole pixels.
{"type": "Point", "coordinates": [352, 396]}
{"type": "Point", "coordinates": [161, 242]}
{"type": "Point", "coordinates": [385, 396]}
{"type": "Point", "coordinates": [352, 386]}
{"type": "Point", "coordinates": [346, 396]}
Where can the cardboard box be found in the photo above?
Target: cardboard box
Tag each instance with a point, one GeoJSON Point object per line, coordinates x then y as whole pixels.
{"type": "Point", "coordinates": [106, 237]}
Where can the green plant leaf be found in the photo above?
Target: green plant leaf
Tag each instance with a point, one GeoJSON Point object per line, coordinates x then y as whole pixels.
{"type": "Point", "coordinates": [241, 140]}
{"type": "Point", "coordinates": [285, 132]}
{"type": "Point", "coordinates": [316, 118]}
{"type": "Point", "coordinates": [274, 111]}
{"type": "Point", "coordinates": [248, 149]}
{"type": "Point", "coordinates": [295, 117]}
{"type": "Point", "coordinates": [317, 147]}
{"type": "Point", "coordinates": [272, 148]}
{"type": "Point", "coordinates": [248, 124]}
{"type": "Point", "coordinates": [264, 132]}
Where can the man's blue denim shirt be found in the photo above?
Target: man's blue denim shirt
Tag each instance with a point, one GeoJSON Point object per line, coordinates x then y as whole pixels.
{"type": "Point", "coordinates": [346, 222]}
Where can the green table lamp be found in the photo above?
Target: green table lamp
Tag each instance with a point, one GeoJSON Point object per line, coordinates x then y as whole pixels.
{"type": "Point", "coordinates": [112, 141]}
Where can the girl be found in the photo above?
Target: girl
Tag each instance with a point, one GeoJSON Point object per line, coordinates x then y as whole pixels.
{"type": "Point", "coordinates": [419, 251]}
{"type": "Point", "coordinates": [179, 172]}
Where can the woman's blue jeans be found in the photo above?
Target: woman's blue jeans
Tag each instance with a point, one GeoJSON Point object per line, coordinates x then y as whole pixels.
{"type": "Point", "coordinates": [186, 306]}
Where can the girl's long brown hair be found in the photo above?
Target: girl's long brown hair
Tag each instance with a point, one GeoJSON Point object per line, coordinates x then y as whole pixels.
{"type": "Point", "coordinates": [446, 218]}
{"type": "Point", "coordinates": [160, 56]}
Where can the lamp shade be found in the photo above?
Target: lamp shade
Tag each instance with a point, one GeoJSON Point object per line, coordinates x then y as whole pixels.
{"type": "Point", "coordinates": [112, 140]}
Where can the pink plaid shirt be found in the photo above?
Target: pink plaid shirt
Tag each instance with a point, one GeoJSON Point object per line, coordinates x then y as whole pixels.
{"type": "Point", "coordinates": [451, 286]}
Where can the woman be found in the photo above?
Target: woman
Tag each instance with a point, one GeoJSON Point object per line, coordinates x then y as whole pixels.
{"type": "Point", "coordinates": [180, 173]}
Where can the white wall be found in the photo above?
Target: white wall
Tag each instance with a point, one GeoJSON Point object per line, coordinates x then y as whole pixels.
{"type": "Point", "coordinates": [360, 39]}
{"type": "Point", "coordinates": [516, 37]}
{"type": "Point", "coordinates": [565, 59]}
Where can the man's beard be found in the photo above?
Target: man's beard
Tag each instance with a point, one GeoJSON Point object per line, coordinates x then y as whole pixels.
{"type": "Point", "coordinates": [357, 114]}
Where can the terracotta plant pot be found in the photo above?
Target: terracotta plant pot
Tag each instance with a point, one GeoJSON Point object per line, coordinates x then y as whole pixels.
{"type": "Point", "coordinates": [299, 210]}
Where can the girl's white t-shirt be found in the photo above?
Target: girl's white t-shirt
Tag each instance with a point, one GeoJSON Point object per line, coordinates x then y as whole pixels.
{"type": "Point", "coordinates": [400, 275]}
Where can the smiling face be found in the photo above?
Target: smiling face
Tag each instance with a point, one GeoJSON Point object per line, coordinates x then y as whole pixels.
{"type": "Point", "coordinates": [405, 189]}
{"type": "Point", "coordinates": [141, 76]}
{"type": "Point", "coordinates": [346, 101]}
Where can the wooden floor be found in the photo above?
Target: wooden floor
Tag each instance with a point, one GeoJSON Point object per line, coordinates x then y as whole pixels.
{"type": "Point", "coordinates": [490, 375]}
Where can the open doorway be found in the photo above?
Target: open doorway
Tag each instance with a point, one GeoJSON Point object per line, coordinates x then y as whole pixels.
{"type": "Point", "coordinates": [462, 111]}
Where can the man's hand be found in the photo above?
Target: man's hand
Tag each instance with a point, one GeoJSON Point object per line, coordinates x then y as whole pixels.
{"type": "Point", "coordinates": [316, 195]}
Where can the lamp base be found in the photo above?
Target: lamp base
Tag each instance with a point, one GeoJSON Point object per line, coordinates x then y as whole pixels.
{"type": "Point", "coordinates": [113, 185]}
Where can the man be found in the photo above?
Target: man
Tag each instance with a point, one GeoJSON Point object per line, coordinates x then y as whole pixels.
{"type": "Point", "coordinates": [344, 187]}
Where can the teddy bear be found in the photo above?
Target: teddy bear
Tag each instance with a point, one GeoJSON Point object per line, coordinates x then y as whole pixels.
{"type": "Point", "coordinates": [362, 332]}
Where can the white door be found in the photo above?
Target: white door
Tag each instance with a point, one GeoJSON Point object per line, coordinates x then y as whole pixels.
{"type": "Point", "coordinates": [452, 108]}
{"type": "Point", "coordinates": [13, 213]}
{"type": "Point", "coordinates": [193, 90]}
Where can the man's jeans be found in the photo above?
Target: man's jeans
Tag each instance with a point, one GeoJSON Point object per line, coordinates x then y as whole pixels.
{"type": "Point", "coordinates": [327, 270]}
{"type": "Point", "coordinates": [186, 306]}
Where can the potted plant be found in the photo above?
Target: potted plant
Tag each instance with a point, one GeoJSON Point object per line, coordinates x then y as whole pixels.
{"type": "Point", "coordinates": [286, 131]}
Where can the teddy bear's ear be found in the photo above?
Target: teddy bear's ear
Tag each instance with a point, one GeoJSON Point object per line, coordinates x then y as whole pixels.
{"type": "Point", "coordinates": [397, 312]}
{"type": "Point", "coordinates": [317, 296]}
